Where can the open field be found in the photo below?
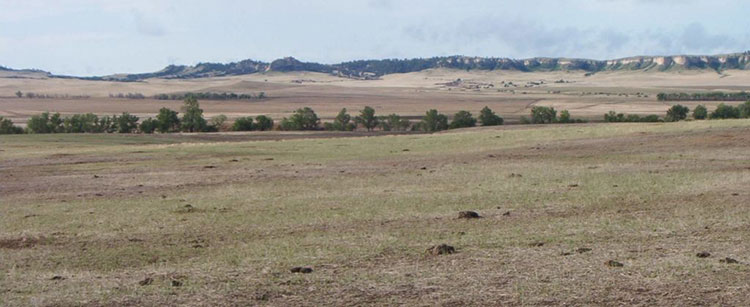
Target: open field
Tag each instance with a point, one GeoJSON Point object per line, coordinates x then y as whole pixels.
{"type": "Point", "coordinates": [102, 220]}
{"type": "Point", "coordinates": [410, 95]}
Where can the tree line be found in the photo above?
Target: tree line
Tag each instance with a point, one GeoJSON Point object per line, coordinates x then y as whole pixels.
{"type": "Point", "coordinates": [680, 112]}
{"type": "Point", "coordinates": [708, 96]}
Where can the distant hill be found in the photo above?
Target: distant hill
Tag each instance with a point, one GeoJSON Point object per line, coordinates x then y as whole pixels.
{"type": "Point", "coordinates": [6, 72]}
{"type": "Point", "coordinates": [373, 69]}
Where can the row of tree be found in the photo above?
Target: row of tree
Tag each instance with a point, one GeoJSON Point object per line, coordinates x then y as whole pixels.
{"type": "Point", "coordinates": [680, 112]}
{"type": "Point", "coordinates": [211, 96]}
{"type": "Point", "coordinates": [32, 95]}
{"type": "Point", "coordinates": [708, 96]}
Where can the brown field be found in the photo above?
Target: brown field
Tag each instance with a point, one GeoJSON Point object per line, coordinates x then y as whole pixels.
{"type": "Point", "coordinates": [406, 94]}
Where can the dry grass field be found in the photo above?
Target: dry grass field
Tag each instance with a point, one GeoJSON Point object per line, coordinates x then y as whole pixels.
{"type": "Point", "coordinates": [587, 97]}
{"type": "Point", "coordinates": [591, 214]}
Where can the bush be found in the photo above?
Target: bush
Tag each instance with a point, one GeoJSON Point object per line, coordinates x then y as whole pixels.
{"type": "Point", "coordinates": [218, 122]}
{"type": "Point", "coordinates": [724, 111]}
{"type": "Point", "coordinates": [167, 120]}
{"type": "Point", "coordinates": [543, 115]}
{"type": "Point", "coordinates": [302, 119]}
{"type": "Point", "coordinates": [342, 122]}
{"type": "Point", "coordinates": [7, 127]}
{"type": "Point", "coordinates": [676, 113]}
{"type": "Point", "coordinates": [264, 123]}
{"type": "Point", "coordinates": [463, 119]}
{"type": "Point", "coordinates": [744, 110]}
{"type": "Point", "coordinates": [565, 117]}
{"type": "Point", "coordinates": [126, 123]}
{"type": "Point", "coordinates": [700, 112]}
{"type": "Point", "coordinates": [630, 118]}
{"type": "Point", "coordinates": [367, 118]}
{"type": "Point", "coordinates": [148, 125]}
{"type": "Point", "coordinates": [488, 118]}
{"type": "Point", "coordinates": [243, 124]}
{"type": "Point", "coordinates": [19, 94]}
{"type": "Point", "coordinates": [394, 122]}
{"type": "Point", "coordinates": [45, 123]}
{"type": "Point", "coordinates": [81, 123]}
{"type": "Point", "coordinates": [433, 121]}
{"type": "Point", "coordinates": [192, 119]}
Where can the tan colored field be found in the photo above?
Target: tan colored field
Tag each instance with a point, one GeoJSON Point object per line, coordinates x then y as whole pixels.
{"type": "Point", "coordinates": [406, 94]}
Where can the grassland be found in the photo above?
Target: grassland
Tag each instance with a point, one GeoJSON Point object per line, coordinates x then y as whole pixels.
{"type": "Point", "coordinates": [193, 220]}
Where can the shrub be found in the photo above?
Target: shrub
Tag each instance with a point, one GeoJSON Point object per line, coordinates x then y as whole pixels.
{"type": "Point", "coordinates": [81, 123]}
{"type": "Point", "coordinates": [192, 119]}
{"type": "Point", "coordinates": [218, 122]}
{"type": "Point", "coordinates": [148, 125]}
{"type": "Point", "coordinates": [543, 115]}
{"type": "Point", "coordinates": [7, 127]}
{"type": "Point", "coordinates": [565, 117]}
{"type": "Point", "coordinates": [302, 119]}
{"type": "Point", "coordinates": [19, 94]}
{"type": "Point", "coordinates": [367, 118]}
{"type": "Point", "coordinates": [243, 124]}
{"type": "Point", "coordinates": [676, 113]}
{"type": "Point", "coordinates": [45, 123]}
{"type": "Point", "coordinates": [342, 122]}
{"type": "Point", "coordinates": [394, 122]}
{"type": "Point", "coordinates": [744, 110]}
{"type": "Point", "coordinates": [700, 112]}
{"type": "Point", "coordinates": [463, 119]}
{"type": "Point", "coordinates": [167, 120]}
{"type": "Point", "coordinates": [126, 123]}
{"type": "Point", "coordinates": [724, 111]}
{"type": "Point", "coordinates": [264, 123]}
{"type": "Point", "coordinates": [433, 121]}
{"type": "Point", "coordinates": [488, 118]}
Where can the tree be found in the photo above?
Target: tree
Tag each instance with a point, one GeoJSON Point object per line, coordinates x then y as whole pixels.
{"type": "Point", "coordinates": [126, 123]}
{"type": "Point", "coordinates": [394, 122]}
{"type": "Point", "coordinates": [342, 122]}
{"type": "Point", "coordinates": [81, 123]}
{"type": "Point", "coordinates": [724, 111]}
{"type": "Point", "coordinates": [218, 122]}
{"type": "Point", "coordinates": [744, 110]}
{"type": "Point", "coordinates": [676, 113]}
{"type": "Point", "coordinates": [543, 115]}
{"type": "Point", "coordinates": [302, 119]}
{"type": "Point", "coordinates": [192, 119]}
{"type": "Point", "coordinates": [488, 118]}
{"type": "Point", "coordinates": [463, 119]}
{"type": "Point", "coordinates": [700, 112]}
{"type": "Point", "coordinates": [148, 125]}
{"type": "Point", "coordinates": [367, 118]}
{"type": "Point", "coordinates": [565, 117]}
{"type": "Point", "coordinates": [167, 120]}
{"type": "Point", "coordinates": [243, 124]}
{"type": "Point", "coordinates": [19, 94]}
{"type": "Point", "coordinates": [45, 123]}
{"type": "Point", "coordinates": [7, 127]}
{"type": "Point", "coordinates": [434, 121]}
{"type": "Point", "coordinates": [263, 123]}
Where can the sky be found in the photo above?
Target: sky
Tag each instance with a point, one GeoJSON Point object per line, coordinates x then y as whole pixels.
{"type": "Point", "coordinates": [100, 37]}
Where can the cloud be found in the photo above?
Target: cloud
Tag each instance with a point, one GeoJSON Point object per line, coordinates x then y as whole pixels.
{"type": "Point", "coordinates": [147, 26]}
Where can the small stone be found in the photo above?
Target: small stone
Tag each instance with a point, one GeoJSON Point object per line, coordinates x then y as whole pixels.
{"type": "Point", "coordinates": [506, 213]}
{"type": "Point", "coordinates": [703, 255]}
{"type": "Point", "coordinates": [176, 283]}
{"type": "Point", "coordinates": [442, 249]}
{"type": "Point", "coordinates": [57, 277]}
{"type": "Point", "coordinates": [728, 260]}
{"type": "Point", "coordinates": [146, 281]}
{"type": "Point", "coordinates": [468, 215]}
{"type": "Point", "coordinates": [614, 264]}
{"type": "Point", "coordinates": [583, 250]}
{"type": "Point", "coordinates": [303, 270]}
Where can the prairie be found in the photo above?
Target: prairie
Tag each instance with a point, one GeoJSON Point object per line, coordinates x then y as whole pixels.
{"type": "Point", "coordinates": [220, 219]}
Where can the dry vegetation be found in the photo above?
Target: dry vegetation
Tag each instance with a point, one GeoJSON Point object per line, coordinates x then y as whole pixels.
{"type": "Point", "coordinates": [406, 94]}
{"type": "Point", "coordinates": [102, 220]}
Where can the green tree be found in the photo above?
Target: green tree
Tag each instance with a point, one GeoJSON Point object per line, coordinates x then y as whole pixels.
{"type": "Point", "coordinates": [192, 118]}
{"type": "Point", "coordinates": [700, 112]}
{"type": "Point", "coordinates": [126, 123]}
{"type": "Point", "coordinates": [342, 122]}
{"type": "Point", "coordinates": [148, 125]}
{"type": "Point", "coordinates": [81, 123]}
{"type": "Point", "coordinates": [45, 123]}
{"type": "Point", "coordinates": [433, 121]}
{"type": "Point", "coordinates": [243, 124]}
{"type": "Point", "coordinates": [543, 115]}
{"type": "Point", "coordinates": [302, 119]}
{"type": "Point", "coordinates": [488, 118]}
{"type": "Point", "coordinates": [724, 111]}
{"type": "Point", "coordinates": [463, 119]}
{"type": "Point", "coordinates": [367, 118]}
{"type": "Point", "coordinates": [19, 94]}
{"type": "Point", "coordinates": [394, 122]}
{"type": "Point", "coordinates": [565, 117]}
{"type": "Point", "coordinates": [167, 120]}
{"type": "Point", "coordinates": [676, 113]}
{"type": "Point", "coordinates": [744, 110]}
{"type": "Point", "coordinates": [264, 123]}
{"type": "Point", "coordinates": [7, 127]}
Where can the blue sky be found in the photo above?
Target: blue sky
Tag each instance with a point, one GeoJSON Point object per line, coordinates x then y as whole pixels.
{"type": "Point", "coordinates": [98, 37]}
